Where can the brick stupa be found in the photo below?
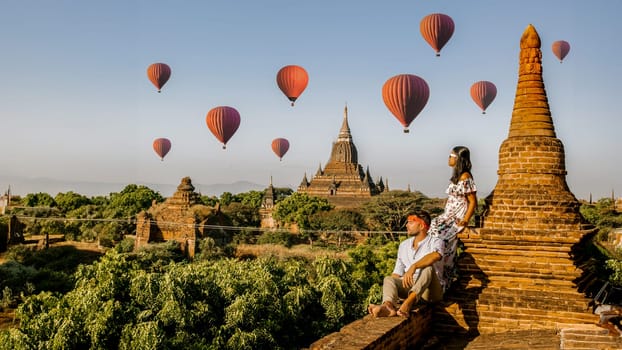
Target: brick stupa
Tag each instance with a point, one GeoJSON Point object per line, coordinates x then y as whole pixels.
{"type": "Point", "coordinates": [525, 268]}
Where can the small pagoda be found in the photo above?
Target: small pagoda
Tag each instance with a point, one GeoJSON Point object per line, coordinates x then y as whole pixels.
{"type": "Point", "coordinates": [181, 218]}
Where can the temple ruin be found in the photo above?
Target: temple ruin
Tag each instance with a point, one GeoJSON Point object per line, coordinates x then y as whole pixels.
{"type": "Point", "coordinates": [181, 218]}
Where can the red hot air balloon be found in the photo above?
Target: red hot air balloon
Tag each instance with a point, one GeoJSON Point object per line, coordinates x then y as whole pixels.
{"type": "Point", "coordinates": [292, 80]}
{"type": "Point", "coordinates": [159, 73]}
{"type": "Point", "coordinates": [223, 121]}
{"type": "Point", "coordinates": [280, 147]}
{"type": "Point", "coordinates": [161, 146]}
{"type": "Point", "coordinates": [437, 29]}
{"type": "Point", "coordinates": [483, 93]}
{"type": "Point", "coordinates": [560, 49]}
{"type": "Point", "coordinates": [405, 96]}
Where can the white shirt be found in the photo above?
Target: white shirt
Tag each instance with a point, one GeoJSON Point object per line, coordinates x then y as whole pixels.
{"type": "Point", "coordinates": [408, 255]}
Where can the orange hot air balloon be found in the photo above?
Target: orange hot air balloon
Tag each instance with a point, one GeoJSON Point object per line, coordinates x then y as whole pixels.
{"type": "Point", "coordinates": [437, 29]}
{"type": "Point", "coordinates": [483, 93]}
{"type": "Point", "coordinates": [280, 147]}
{"type": "Point", "coordinates": [560, 49]}
{"type": "Point", "coordinates": [159, 73]}
{"type": "Point", "coordinates": [161, 146]}
{"type": "Point", "coordinates": [292, 80]}
{"type": "Point", "coordinates": [405, 96]}
{"type": "Point", "coordinates": [223, 121]}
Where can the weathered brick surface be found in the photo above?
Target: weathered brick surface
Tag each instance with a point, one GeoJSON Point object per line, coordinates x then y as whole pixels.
{"type": "Point", "coordinates": [380, 333]}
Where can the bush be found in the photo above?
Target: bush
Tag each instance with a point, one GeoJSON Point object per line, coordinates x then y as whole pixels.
{"type": "Point", "coordinates": [278, 237]}
{"type": "Point", "coordinates": [126, 245]}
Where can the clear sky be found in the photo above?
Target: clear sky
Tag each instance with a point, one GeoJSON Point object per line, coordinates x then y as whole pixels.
{"type": "Point", "coordinates": [76, 104]}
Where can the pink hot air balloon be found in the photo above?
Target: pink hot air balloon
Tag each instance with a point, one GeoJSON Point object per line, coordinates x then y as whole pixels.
{"type": "Point", "coordinates": [405, 95]}
{"type": "Point", "coordinates": [161, 146]}
{"type": "Point", "coordinates": [560, 49]}
{"type": "Point", "coordinates": [280, 147]}
{"type": "Point", "coordinates": [223, 121]}
{"type": "Point", "coordinates": [483, 93]}
{"type": "Point", "coordinates": [158, 74]}
{"type": "Point", "coordinates": [437, 29]}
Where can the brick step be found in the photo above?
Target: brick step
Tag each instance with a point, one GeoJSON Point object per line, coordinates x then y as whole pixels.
{"type": "Point", "coordinates": [513, 246]}
{"type": "Point", "coordinates": [517, 280]}
{"type": "Point", "coordinates": [579, 306]}
{"type": "Point", "coordinates": [518, 239]}
{"type": "Point", "coordinates": [512, 317]}
{"type": "Point", "coordinates": [512, 250]}
{"type": "Point", "coordinates": [494, 290]}
{"type": "Point", "coordinates": [583, 336]}
{"type": "Point", "coordinates": [530, 269]}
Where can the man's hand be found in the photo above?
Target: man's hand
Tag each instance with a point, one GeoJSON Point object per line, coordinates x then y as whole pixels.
{"type": "Point", "coordinates": [407, 279]}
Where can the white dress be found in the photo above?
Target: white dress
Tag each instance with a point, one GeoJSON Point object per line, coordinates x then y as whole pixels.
{"type": "Point", "coordinates": [446, 228]}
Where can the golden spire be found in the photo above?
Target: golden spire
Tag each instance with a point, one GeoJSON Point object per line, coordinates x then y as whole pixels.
{"type": "Point", "coordinates": [531, 115]}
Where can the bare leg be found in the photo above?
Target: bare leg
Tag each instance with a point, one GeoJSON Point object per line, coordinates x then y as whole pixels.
{"type": "Point", "coordinates": [407, 305]}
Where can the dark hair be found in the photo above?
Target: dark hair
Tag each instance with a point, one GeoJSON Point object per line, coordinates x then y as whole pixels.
{"type": "Point", "coordinates": [463, 163]}
{"type": "Point", "coordinates": [423, 215]}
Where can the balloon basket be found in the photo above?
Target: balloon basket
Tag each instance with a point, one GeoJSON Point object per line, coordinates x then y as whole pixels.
{"type": "Point", "coordinates": [406, 131]}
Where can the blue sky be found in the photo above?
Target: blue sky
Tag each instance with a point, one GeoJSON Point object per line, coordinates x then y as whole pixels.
{"type": "Point", "coordinates": [76, 104]}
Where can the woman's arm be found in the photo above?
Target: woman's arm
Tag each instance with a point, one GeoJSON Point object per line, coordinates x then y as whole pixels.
{"type": "Point", "coordinates": [472, 200]}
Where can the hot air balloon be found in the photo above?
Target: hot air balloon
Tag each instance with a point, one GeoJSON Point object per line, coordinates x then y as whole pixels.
{"type": "Point", "coordinates": [560, 49]}
{"type": "Point", "coordinates": [280, 147]}
{"type": "Point", "coordinates": [223, 121]}
{"type": "Point", "coordinates": [159, 73]}
{"type": "Point", "coordinates": [483, 93]}
{"type": "Point", "coordinates": [405, 96]}
{"type": "Point", "coordinates": [161, 146]}
{"type": "Point", "coordinates": [437, 29]}
{"type": "Point", "coordinates": [292, 80]}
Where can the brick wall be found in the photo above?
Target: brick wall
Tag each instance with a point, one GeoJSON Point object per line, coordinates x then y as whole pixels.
{"type": "Point", "coordinates": [382, 333]}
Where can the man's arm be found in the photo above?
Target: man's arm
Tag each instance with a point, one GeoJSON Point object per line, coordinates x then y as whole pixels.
{"type": "Point", "coordinates": [426, 261]}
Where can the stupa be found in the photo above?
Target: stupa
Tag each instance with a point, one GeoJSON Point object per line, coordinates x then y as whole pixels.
{"type": "Point", "coordinates": [526, 267]}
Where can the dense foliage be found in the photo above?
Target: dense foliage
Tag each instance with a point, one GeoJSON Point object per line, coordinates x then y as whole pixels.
{"type": "Point", "coordinates": [154, 299]}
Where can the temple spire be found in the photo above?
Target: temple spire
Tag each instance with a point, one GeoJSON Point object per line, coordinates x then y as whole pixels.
{"type": "Point", "coordinates": [531, 115]}
{"type": "Point", "coordinates": [344, 133]}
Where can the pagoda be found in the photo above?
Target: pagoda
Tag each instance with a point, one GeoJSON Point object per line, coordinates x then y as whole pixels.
{"type": "Point", "coordinates": [527, 267]}
{"type": "Point", "coordinates": [343, 181]}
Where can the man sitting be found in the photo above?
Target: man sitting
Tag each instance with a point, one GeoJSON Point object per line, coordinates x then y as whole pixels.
{"type": "Point", "coordinates": [414, 276]}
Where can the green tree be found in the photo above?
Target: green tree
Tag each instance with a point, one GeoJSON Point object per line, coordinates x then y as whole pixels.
{"type": "Point", "coordinates": [282, 193]}
{"type": "Point", "coordinates": [210, 201]}
{"type": "Point", "coordinates": [226, 198]}
{"type": "Point", "coordinates": [337, 223]}
{"type": "Point", "coordinates": [69, 201]}
{"type": "Point", "coordinates": [242, 215]}
{"type": "Point", "coordinates": [298, 207]}
{"type": "Point", "coordinates": [250, 199]}
{"type": "Point", "coordinates": [142, 301]}
{"type": "Point", "coordinates": [131, 200]}
{"type": "Point", "coordinates": [40, 199]}
{"type": "Point", "coordinates": [388, 211]}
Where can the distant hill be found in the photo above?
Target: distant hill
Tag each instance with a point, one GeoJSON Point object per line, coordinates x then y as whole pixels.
{"type": "Point", "coordinates": [24, 185]}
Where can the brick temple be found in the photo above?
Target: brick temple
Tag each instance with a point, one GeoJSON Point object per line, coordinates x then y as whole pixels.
{"type": "Point", "coordinates": [182, 218]}
{"type": "Point", "coordinates": [526, 267]}
{"type": "Point", "coordinates": [343, 181]}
